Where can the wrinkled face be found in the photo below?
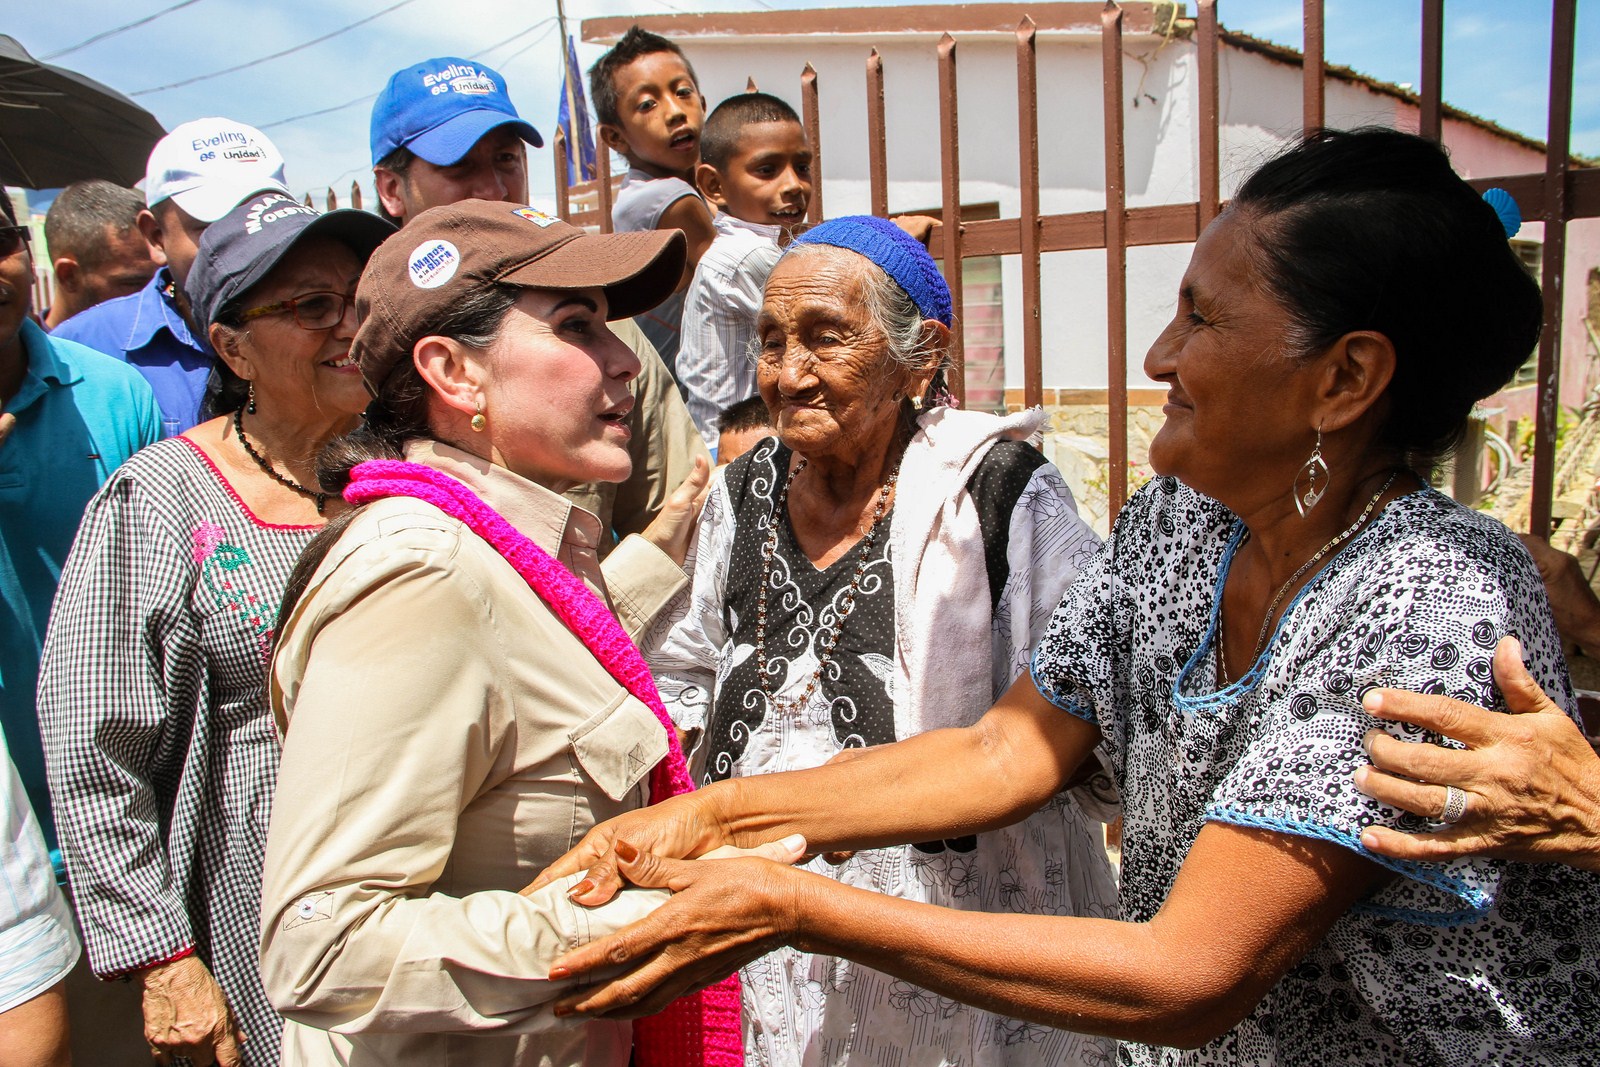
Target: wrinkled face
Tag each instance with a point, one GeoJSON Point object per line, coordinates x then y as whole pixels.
{"type": "Point", "coordinates": [823, 367]}
{"type": "Point", "coordinates": [768, 180]}
{"type": "Point", "coordinates": [1237, 403]}
{"type": "Point", "coordinates": [495, 169]}
{"type": "Point", "coordinates": [16, 289]}
{"type": "Point", "coordinates": [661, 112]}
{"type": "Point", "coordinates": [179, 234]}
{"type": "Point", "coordinates": [556, 390]}
{"type": "Point", "coordinates": [125, 268]}
{"type": "Point", "coordinates": [302, 375]}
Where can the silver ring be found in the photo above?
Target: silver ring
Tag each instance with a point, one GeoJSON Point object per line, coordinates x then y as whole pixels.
{"type": "Point", "coordinates": [1455, 805]}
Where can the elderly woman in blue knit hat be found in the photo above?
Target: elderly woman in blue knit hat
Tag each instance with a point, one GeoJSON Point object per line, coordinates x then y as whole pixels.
{"type": "Point", "coordinates": [879, 568]}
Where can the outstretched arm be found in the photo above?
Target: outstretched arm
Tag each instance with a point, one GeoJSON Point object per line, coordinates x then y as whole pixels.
{"type": "Point", "coordinates": [943, 783]}
{"type": "Point", "coordinates": [1247, 905]}
{"type": "Point", "coordinates": [1532, 780]}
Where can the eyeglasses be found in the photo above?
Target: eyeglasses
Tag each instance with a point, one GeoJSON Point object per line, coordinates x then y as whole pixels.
{"type": "Point", "coordinates": [311, 311]}
{"type": "Point", "coordinates": [12, 240]}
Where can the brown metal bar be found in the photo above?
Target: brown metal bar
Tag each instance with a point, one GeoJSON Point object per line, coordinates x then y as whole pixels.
{"type": "Point", "coordinates": [1028, 186]}
{"type": "Point", "coordinates": [813, 120]}
{"type": "Point", "coordinates": [1563, 17]}
{"type": "Point", "coordinates": [1116, 258]}
{"type": "Point", "coordinates": [950, 179]}
{"type": "Point", "coordinates": [1431, 124]}
{"type": "Point", "coordinates": [877, 137]}
{"type": "Point", "coordinates": [602, 178]}
{"type": "Point", "coordinates": [1582, 192]}
{"type": "Point", "coordinates": [1314, 87]}
{"type": "Point", "coordinates": [1210, 123]}
{"type": "Point", "coordinates": [558, 145]}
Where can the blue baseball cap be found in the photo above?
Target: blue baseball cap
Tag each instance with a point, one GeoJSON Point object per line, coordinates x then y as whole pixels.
{"type": "Point", "coordinates": [440, 108]}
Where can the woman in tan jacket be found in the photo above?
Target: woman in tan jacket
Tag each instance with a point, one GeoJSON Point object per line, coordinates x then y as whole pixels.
{"type": "Point", "coordinates": [457, 701]}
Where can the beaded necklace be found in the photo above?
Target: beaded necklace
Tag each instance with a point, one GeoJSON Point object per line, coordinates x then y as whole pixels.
{"type": "Point", "coordinates": [828, 638]}
{"type": "Point", "coordinates": [1266, 623]}
{"type": "Point", "coordinates": [321, 499]}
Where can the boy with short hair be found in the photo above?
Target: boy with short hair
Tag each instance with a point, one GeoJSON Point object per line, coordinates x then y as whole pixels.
{"type": "Point", "coordinates": [756, 169]}
{"type": "Point", "coordinates": [739, 428]}
{"type": "Point", "coordinates": [650, 111]}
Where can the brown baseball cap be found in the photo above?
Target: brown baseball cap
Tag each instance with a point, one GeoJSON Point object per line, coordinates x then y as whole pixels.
{"type": "Point", "coordinates": [448, 252]}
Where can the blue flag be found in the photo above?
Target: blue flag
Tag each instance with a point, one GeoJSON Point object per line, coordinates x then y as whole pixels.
{"type": "Point", "coordinates": [573, 118]}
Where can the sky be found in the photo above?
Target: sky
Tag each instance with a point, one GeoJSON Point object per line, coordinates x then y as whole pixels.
{"type": "Point", "coordinates": [1496, 59]}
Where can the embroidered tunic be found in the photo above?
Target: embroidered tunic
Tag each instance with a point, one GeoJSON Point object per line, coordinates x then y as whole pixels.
{"type": "Point", "coordinates": [818, 1011]}
{"type": "Point", "coordinates": [161, 749]}
{"type": "Point", "coordinates": [1467, 962]}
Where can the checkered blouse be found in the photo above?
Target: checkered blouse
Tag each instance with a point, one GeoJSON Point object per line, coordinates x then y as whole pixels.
{"type": "Point", "coordinates": [161, 751]}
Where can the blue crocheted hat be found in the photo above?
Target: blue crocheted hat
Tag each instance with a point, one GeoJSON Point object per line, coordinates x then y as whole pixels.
{"type": "Point", "coordinates": [901, 256]}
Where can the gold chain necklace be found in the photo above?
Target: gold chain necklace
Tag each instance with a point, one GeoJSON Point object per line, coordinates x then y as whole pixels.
{"type": "Point", "coordinates": [1266, 623]}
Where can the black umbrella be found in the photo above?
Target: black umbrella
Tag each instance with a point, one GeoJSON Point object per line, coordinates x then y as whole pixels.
{"type": "Point", "coordinates": [58, 127]}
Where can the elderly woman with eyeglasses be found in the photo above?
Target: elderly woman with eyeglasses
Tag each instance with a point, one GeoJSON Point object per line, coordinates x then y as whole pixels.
{"type": "Point", "coordinates": [152, 700]}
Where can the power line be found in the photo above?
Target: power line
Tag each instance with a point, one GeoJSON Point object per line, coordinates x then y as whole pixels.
{"type": "Point", "coordinates": [276, 55]}
{"type": "Point", "coordinates": [314, 114]}
{"type": "Point", "coordinates": [119, 29]}
{"type": "Point", "coordinates": [370, 96]}
{"type": "Point", "coordinates": [531, 44]}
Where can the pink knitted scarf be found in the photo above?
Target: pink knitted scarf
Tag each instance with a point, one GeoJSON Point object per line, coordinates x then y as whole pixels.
{"type": "Point", "coordinates": [700, 1030]}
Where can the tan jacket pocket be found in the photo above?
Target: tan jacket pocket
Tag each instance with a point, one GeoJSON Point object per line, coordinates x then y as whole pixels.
{"type": "Point", "coordinates": [619, 745]}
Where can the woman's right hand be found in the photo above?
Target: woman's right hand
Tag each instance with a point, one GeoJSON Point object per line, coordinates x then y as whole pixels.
{"type": "Point", "coordinates": [186, 1014]}
{"type": "Point", "coordinates": [1531, 779]}
{"type": "Point", "coordinates": [672, 530]}
{"type": "Point", "coordinates": [680, 828]}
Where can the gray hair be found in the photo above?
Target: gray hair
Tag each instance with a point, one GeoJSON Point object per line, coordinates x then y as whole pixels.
{"type": "Point", "coordinates": [890, 310]}
{"type": "Point", "coordinates": [82, 213]}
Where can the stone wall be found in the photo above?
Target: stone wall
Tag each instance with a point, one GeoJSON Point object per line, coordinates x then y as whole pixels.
{"type": "Point", "coordinates": [1077, 441]}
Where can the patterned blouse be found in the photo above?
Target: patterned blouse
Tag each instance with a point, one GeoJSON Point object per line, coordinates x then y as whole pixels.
{"type": "Point", "coordinates": [1472, 961]}
{"type": "Point", "coordinates": [161, 748]}
{"type": "Point", "coordinates": [815, 1011]}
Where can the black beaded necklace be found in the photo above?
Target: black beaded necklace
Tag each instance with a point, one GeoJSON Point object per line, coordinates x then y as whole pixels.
{"type": "Point", "coordinates": [320, 499]}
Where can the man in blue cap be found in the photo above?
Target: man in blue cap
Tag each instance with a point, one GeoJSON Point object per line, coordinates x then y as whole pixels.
{"type": "Point", "coordinates": [445, 130]}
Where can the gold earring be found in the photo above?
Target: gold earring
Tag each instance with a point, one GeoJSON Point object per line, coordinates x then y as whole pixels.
{"type": "Point", "coordinates": [478, 421]}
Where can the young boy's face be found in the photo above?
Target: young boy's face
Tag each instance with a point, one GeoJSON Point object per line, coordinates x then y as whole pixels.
{"type": "Point", "coordinates": [661, 112]}
{"type": "Point", "coordinates": [768, 177]}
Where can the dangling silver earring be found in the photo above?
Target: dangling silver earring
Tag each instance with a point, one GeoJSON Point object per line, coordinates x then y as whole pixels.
{"type": "Point", "coordinates": [250, 407]}
{"type": "Point", "coordinates": [916, 403]}
{"type": "Point", "coordinates": [1316, 476]}
{"type": "Point", "coordinates": [478, 421]}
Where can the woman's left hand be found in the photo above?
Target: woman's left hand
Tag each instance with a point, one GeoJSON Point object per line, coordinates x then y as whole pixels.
{"type": "Point", "coordinates": [724, 912]}
{"type": "Point", "coordinates": [673, 528]}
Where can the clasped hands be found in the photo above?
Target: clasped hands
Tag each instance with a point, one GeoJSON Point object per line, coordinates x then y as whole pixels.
{"type": "Point", "coordinates": [730, 905]}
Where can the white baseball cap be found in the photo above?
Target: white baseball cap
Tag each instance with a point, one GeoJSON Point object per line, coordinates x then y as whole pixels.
{"type": "Point", "coordinates": [209, 166]}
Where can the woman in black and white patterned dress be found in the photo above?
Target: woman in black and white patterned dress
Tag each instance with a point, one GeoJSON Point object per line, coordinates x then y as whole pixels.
{"type": "Point", "coordinates": [1334, 327]}
{"type": "Point", "coordinates": [152, 697]}
{"type": "Point", "coordinates": [806, 638]}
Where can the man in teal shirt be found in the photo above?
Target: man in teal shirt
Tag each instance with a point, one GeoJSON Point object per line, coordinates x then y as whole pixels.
{"type": "Point", "coordinates": [69, 416]}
